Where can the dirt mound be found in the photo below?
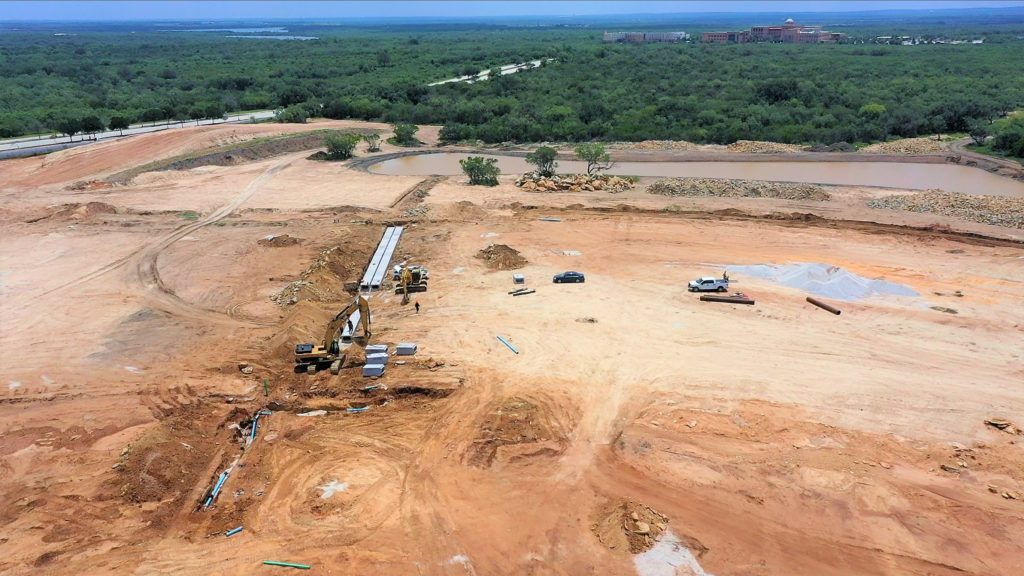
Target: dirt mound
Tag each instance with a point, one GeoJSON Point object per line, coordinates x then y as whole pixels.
{"type": "Point", "coordinates": [502, 257]}
{"type": "Point", "coordinates": [757, 147]}
{"type": "Point", "coordinates": [628, 525]}
{"type": "Point", "coordinates": [906, 146]}
{"type": "Point", "coordinates": [703, 187]}
{"type": "Point", "coordinates": [76, 211]}
{"type": "Point", "coordinates": [514, 429]}
{"type": "Point", "coordinates": [993, 210]}
{"type": "Point", "coordinates": [533, 182]}
{"type": "Point", "coordinates": [325, 278]}
{"type": "Point", "coordinates": [84, 185]}
{"type": "Point", "coordinates": [279, 241]}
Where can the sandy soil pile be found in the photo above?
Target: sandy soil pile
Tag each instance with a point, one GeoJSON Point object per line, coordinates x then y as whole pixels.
{"type": "Point", "coordinates": [502, 257]}
{"type": "Point", "coordinates": [533, 182]}
{"type": "Point", "coordinates": [77, 211]}
{"type": "Point", "coordinates": [994, 210]}
{"type": "Point", "coordinates": [323, 280]}
{"type": "Point", "coordinates": [279, 241]}
{"type": "Point", "coordinates": [759, 147]}
{"type": "Point", "coordinates": [679, 145]}
{"type": "Point", "coordinates": [737, 189]}
{"type": "Point", "coordinates": [906, 146]}
{"type": "Point", "coordinates": [629, 525]}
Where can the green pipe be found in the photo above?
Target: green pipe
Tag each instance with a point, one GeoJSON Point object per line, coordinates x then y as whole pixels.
{"type": "Point", "coordinates": [287, 564]}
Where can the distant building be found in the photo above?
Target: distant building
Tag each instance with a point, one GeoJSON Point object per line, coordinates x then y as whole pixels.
{"type": "Point", "coordinates": [790, 32]}
{"type": "Point", "coordinates": [641, 37]}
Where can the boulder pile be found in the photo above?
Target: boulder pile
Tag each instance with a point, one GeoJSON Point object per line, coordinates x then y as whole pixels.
{"type": "Point", "coordinates": [534, 182]}
{"type": "Point", "coordinates": [681, 145]}
{"type": "Point", "coordinates": [906, 146]}
{"type": "Point", "coordinates": [994, 210]}
{"type": "Point", "coordinates": [758, 147]}
{"type": "Point", "coordinates": [716, 187]}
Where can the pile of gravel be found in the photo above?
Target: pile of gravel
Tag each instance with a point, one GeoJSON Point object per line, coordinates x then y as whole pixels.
{"type": "Point", "coordinates": [995, 210]}
{"type": "Point", "coordinates": [698, 187]}
{"type": "Point", "coordinates": [759, 147]}
{"type": "Point", "coordinates": [907, 146]}
{"type": "Point", "coordinates": [823, 280]}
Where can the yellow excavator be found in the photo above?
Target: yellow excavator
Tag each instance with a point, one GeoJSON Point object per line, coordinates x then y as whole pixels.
{"type": "Point", "coordinates": [310, 355]}
{"type": "Point", "coordinates": [413, 280]}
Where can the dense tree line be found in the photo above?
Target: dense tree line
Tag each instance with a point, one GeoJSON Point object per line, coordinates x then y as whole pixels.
{"type": "Point", "coordinates": [592, 91]}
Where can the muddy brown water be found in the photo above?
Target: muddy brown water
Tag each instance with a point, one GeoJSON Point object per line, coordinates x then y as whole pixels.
{"type": "Point", "coordinates": [906, 175]}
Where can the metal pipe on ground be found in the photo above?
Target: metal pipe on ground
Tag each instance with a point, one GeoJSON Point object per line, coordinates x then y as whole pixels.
{"type": "Point", "coordinates": [508, 344]}
{"type": "Point", "coordinates": [726, 299]}
{"type": "Point", "coordinates": [287, 564]}
{"type": "Point", "coordinates": [824, 306]}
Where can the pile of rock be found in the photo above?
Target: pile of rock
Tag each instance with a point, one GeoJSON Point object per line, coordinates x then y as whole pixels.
{"type": "Point", "coordinates": [906, 146]}
{"type": "Point", "coordinates": [716, 187]}
{"type": "Point", "coordinates": [420, 210]}
{"type": "Point", "coordinates": [681, 145]}
{"type": "Point", "coordinates": [758, 147]}
{"type": "Point", "coordinates": [533, 182]}
{"type": "Point", "coordinates": [995, 210]}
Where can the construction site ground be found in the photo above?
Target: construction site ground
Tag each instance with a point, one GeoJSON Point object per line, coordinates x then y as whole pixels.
{"type": "Point", "coordinates": [637, 431]}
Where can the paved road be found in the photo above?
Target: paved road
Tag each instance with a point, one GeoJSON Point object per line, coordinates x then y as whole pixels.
{"type": "Point", "coordinates": [48, 143]}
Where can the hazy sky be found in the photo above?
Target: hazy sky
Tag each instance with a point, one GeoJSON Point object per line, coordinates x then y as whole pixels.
{"type": "Point", "coordinates": [210, 10]}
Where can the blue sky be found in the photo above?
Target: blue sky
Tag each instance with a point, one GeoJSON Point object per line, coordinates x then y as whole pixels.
{"type": "Point", "coordinates": [210, 10]}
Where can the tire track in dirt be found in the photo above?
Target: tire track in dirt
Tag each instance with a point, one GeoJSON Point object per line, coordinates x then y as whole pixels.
{"type": "Point", "coordinates": [148, 273]}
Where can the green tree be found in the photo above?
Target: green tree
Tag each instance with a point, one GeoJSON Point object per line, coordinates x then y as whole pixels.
{"type": "Point", "coordinates": [383, 58]}
{"type": "Point", "coordinates": [978, 133]}
{"type": "Point", "coordinates": [119, 123]}
{"type": "Point", "coordinates": [544, 159]}
{"type": "Point", "coordinates": [291, 115]}
{"type": "Point", "coordinates": [92, 125]}
{"type": "Point", "coordinates": [341, 146]}
{"type": "Point", "coordinates": [214, 110]}
{"type": "Point", "coordinates": [372, 142]}
{"type": "Point", "coordinates": [481, 171]}
{"type": "Point", "coordinates": [594, 155]}
{"type": "Point", "coordinates": [405, 134]}
{"type": "Point", "coordinates": [68, 126]}
{"type": "Point", "coordinates": [1009, 135]}
{"type": "Point", "coordinates": [872, 110]}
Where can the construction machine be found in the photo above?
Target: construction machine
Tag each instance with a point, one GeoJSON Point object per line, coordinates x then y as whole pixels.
{"type": "Point", "coordinates": [311, 355]}
{"type": "Point", "coordinates": [411, 279]}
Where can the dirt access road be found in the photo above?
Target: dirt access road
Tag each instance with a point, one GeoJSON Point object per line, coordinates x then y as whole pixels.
{"type": "Point", "coordinates": [772, 439]}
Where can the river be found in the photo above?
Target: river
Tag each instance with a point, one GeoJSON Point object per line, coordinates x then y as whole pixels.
{"type": "Point", "coordinates": [904, 175]}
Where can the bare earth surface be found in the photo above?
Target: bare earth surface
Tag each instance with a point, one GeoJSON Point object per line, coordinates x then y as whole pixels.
{"type": "Point", "coordinates": [773, 439]}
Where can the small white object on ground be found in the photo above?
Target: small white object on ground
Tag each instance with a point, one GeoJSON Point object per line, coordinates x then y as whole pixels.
{"type": "Point", "coordinates": [328, 490]}
{"type": "Point", "coordinates": [313, 413]}
{"type": "Point", "coordinates": [668, 557]}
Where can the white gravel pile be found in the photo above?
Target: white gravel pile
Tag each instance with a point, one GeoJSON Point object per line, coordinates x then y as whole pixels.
{"type": "Point", "coordinates": [823, 280]}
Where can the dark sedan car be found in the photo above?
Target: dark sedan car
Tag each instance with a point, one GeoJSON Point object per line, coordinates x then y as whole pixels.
{"type": "Point", "coordinates": [568, 277]}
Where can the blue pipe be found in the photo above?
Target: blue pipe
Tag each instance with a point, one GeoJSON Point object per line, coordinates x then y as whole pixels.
{"type": "Point", "coordinates": [506, 343]}
{"type": "Point", "coordinates": [216, 488]}
{"type": "Point", "coordinates": [233, 531]}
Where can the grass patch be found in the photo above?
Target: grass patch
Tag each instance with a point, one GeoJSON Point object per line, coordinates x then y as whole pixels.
{"type": "Point", "coordinates": [988, 150]}
{"type": "Point", "coordinates": [395, 142]}
{"type": "Point", "coordinates": [188, 215]}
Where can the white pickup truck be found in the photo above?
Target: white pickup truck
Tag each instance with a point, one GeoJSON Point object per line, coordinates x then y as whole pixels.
{"type": "Point", "coordinates": [708, 284]}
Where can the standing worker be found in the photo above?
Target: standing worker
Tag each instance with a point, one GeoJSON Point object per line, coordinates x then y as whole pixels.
{"type": "Point", "coordinates": [417, 306]}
